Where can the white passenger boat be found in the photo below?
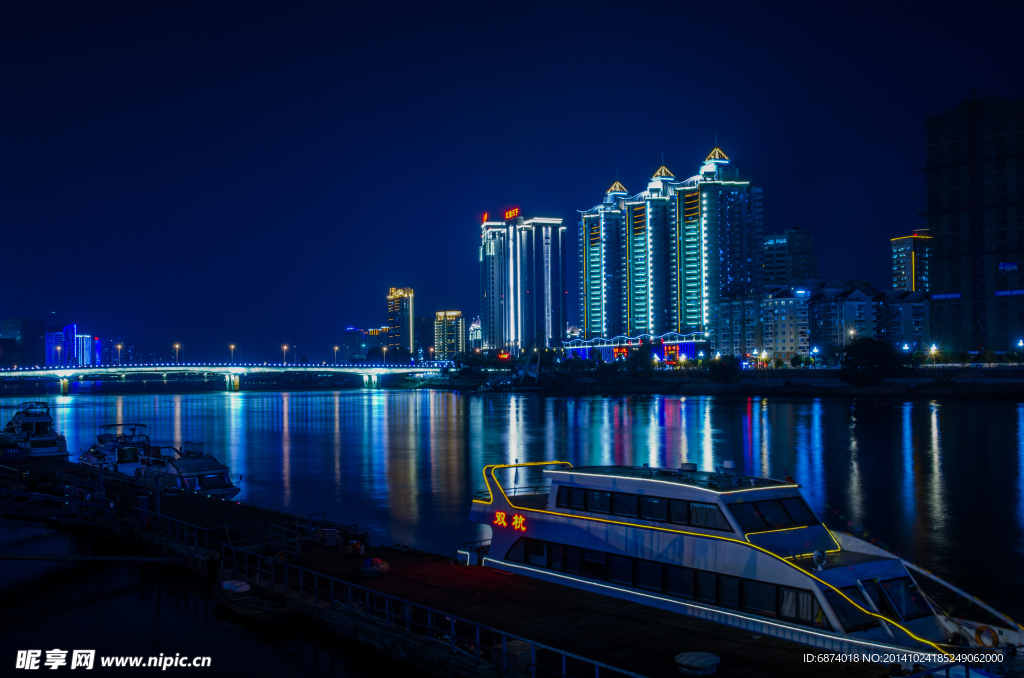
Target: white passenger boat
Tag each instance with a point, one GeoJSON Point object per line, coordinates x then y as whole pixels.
{"type": "Point", "coordinates": [739, 550]}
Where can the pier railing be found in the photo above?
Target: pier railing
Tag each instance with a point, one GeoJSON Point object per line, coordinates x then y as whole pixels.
{"type": "Point", "coordinates": [172, 528]}
{"type": "Point", "coordinates": [333, 600]}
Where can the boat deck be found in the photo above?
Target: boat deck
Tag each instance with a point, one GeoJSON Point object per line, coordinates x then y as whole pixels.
{"type": "Point", "coordinates": [617, 632]}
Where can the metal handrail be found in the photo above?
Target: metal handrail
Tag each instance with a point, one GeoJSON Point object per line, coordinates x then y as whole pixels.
{"type": "Point", "coordinates": [399, 614]}
{"type": "Point", "coordinates": [176, 528]}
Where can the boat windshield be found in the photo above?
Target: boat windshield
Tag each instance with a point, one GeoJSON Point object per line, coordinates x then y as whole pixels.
{"type": "Point", "coordinates": [213, 482]}
{"type": "Point", "coordinates": [852, 619]}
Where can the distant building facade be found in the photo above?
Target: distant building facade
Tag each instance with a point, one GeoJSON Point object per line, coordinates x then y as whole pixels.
{"type": "Point", "coordinates": [911, 262]}
{"type": "Point", "coordinates": [449, 334]}
{"type": "Point", "coordinates": [975, 215]}
{"type": "Point", "coordinates": [54, 346]}
{"type": "Point", "coordinates": [789, 255]}
{"type": "Point", "coordinates": [738, 325]}
{"type": "Point", "coordinates": [522, 283]}
{"type": "Point", "coordinates": [400, 319]}
{"type": "Point", "coordinates": [906, 319]}
{"type": "Point", "coordinates": [787, 326]}
{"type": "Point", "coordinates": [474, 335]}
{"type": "Point", "coordinates": [353, 345]}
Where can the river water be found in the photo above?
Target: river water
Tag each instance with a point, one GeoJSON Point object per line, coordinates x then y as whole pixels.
{"type": "Point", "coordinates": [941, 483]}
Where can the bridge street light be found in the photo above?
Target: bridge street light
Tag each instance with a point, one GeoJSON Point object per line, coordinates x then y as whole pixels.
{"type": "Point", "coordinates": [119, 354]}
{"type": "Point", "coordinates": [284, 354]}
{"type": "Point", "coordinates": [385, 356]}
{"type": "Point", "coordinates": [58, 354]}
{"type": "Point", "coordinates": [176, 347]}
{"type": "Point", "coordinates": [335, 355]}
{"type": "Point", "coordinates": [232, 347]}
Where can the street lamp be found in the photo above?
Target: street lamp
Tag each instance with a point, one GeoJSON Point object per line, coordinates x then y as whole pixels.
{"type": "Point", "coordinates": [284, 354]}
{"type": "Point", "coordinates": [335, 355]}
{"type": "Point", "coordinates": [906, 347]}
{"type": "Point", "coordinates": [385, 348]}
{"type": "Point", "coordinates": [119, 354]}
{"type": "Point", "coordinates": [58, 354]}
{"type": "Point", "coordinates": [176, 347]}
{"type": "Point", "coordinates": [232, 347]}
{"type": "Point", "coordinates": [431, 354]}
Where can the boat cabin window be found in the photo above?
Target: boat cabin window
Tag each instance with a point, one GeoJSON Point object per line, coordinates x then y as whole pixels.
{"type": "Point", "coordinates": [654, 508]}
{"type": "Point", "coordinates": [679, 511]}
{"type": "Point", "coordinates": [757, 597]}
{"type": "Point", "coordinates": [801, 606]}
{"type": "Point", "coordinates": [599, 502]}
{"type": "Point", "coordinates": [906, 598]}
{"type": "Point", "coordinates": [850, 617]}
{"type": "Point", "coordinates": [659, 509]}
{"type": "Point", "coordinates": [798, 511]}
{"type": "Point", "coordinates": [650, 575]}
{"type": "Point", "coordinates": [189, 483]}
{"type": "Point", "coordinates": [127, 455]}
{"type": "Point", "coordinates": [765, 516]}
{"type": "Point", "coordinates": [707, 515]}
{"type": "Point", "coordinates": [728, 591]}
{"type": "Point", "coordinates": [625, 505]}
{"type": "Point", "coordinates": [535, 552]}
{"type": "Point", "coordinates": [707, 587]}
{"type": "Point", "coordinates": [595, 564]}
{"type": "Point", "coordinates": [620, 569]}
{"type": "Point", "coordinates": [680, 581]}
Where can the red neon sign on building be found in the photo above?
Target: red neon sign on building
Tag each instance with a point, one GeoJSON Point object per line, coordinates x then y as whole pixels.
{"type": "Point", "coordinates": [512, 213]}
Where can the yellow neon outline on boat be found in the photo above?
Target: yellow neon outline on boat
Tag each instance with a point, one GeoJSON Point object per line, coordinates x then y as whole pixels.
{"type": "Point", "coordinates": [494, 467]}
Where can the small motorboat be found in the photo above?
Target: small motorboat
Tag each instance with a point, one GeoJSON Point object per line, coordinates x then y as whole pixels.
{"type": "Point", "coordinates": [242, 600]}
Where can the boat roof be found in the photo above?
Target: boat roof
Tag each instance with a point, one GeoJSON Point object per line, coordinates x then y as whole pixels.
{"type": "Point", "coordinates": [34, 405]}
{"type": "Point", "coordinates": [119, 427]}
{"type": "Point", "coordinates": [706, 480]}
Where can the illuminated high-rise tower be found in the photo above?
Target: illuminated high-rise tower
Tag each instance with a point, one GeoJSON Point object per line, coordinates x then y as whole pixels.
{"type": "Point", "coordinates": [911, 262]}
{"type": "Point", "coordinates": [658, 261]}
{"type": "Point", "coordinates": [400, 319]}
{"type": "Point", "coordinates": [522, 283]}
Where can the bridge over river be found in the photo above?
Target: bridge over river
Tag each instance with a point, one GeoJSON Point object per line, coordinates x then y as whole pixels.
{"type": "Point", "coordinates": [371, 373]}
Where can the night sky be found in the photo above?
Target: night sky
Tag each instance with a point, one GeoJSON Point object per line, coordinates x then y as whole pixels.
{"type": "Point", "coordinates": [261, 174]}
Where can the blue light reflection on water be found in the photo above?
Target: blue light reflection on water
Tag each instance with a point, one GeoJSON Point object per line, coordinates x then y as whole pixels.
{"type": "Point", "coordinates": [938, 483]}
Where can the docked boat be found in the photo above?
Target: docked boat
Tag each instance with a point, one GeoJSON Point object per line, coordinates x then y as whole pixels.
{"type": "Point", "coordinates": [31, 430]}
{"type": "Point", "coordinates": [243, 601]}
{"type": "Point", "coordinates": [739, 550]}
{"type": "Point", "coordinates": [125, 451]}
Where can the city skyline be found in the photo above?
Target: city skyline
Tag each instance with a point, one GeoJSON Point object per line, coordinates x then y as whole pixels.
{"type": "Point", "coordinates": [114, 155]}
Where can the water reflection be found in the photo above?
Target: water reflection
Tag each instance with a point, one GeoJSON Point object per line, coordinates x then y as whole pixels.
{"type": "Point", "coordinates": [929, 480]}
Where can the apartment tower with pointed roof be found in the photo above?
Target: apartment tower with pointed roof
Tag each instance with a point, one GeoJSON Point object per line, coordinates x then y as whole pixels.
{"type": "Point", "coordinates": [659, 260]}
